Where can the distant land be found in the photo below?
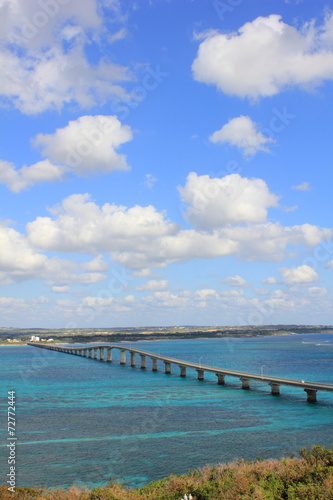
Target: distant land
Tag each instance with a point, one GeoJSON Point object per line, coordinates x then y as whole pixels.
{"type": "Point", "coordinates": [19, 336]}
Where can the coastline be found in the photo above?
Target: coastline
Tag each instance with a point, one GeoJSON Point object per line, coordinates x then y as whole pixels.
{"type": "Point", "coordinates": [156, 337]}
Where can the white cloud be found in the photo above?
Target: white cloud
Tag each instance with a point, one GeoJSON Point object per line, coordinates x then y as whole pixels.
{"type": "Point", "coordinates": [181, 246]}
{"type": "Point", "coordinates": [35, 85]}
{"type": "Point", "coordinates": [20, 261]}
{"type": "Point", "coordinates": [166, 299]}
{"type": "Point", "coordinates": [119, 35]}
{"type": "Point", "coordinates": [18, 180]}
{"type": "Point", "coordinates": [60, 289]}
{"type": "Point", "coordinates": [330, 264]}
{"type": "Point", "coordinates": [43, 60]}
{"type": "Point", "coordinates": [217, 202]}
{"type": "Point", "coordinates": [153, 285]}
{"type": "Point", "coordinates": [100, 304]}
{"type": "Point", "coordinates": [149, 181]}
{"type": "Point", "coordinates": [243, 133]}
{"type": "Point", "coordinates": [265, 57]}
{"type": "Point", "coordinates": [87, 278]}
{"type": "Point", "coordinates": [290, 209]}
{"type": "Point", "coordinates": [37, 24]}
{"type": "Point", "coordinates": [206, 294]}
{"type": "Point", "coordinates": [301, 274]}
{"type": "Point", "coordinates": [98, 301]}
{"type": "Point", "coordinates": [96, 265]}
{"type": "Point", "coordinates": [17, 257]}
{"type": "Point", "coordinates": [269, 241]}
{"type": "Point", "coordinates": [234, 281]}
{"type": "Point", "coordinates": [270, 281]}
{"type": "Point", "coordinates": [84, 227]}
{"type": "Point", "coordinates": [142, 238]}
{"type": "Point", "coordinates": [316, 291]}
{"type": "Point", "coordinates": [142, 273]}
{"type": "Point", "coordinates": [304, 186]}
{"type": "Point", "coordinates": [88, 144]}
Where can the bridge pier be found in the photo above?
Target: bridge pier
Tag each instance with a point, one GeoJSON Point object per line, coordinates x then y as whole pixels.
{"type": "Point", "coordinates": [143, 361]}
{"type": "Point", "coordinates": [245, 383]}
{"type": "Point", "coordinates": [123, 357]}
{"type": "Point", "coordinates": [220, 378]}
{"type": "Point", "coordinates": [154, 360]}
{"type": "Point", "coordinates": [91, 351]}
{"type": "Point", "coordinates": [312, 395]}
{"type": "Point", "coordinates": [275, 388]}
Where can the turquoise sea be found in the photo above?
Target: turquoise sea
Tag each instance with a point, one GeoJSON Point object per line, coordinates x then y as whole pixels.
{"type": "Point", "coordinates": [82, 421]}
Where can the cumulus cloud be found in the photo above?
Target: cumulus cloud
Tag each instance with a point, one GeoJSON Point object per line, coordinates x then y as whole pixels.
{"type": "Point", "coordinates": [20, 261]}
{"type": "Point", "coordinates": [301, 274]}
{"type": "Point", "coordinates": [206, 294]}
{"type": "Point", "coordinates": [218, 202]}
{"type": "Point", "coordinates": [60, 289]}
{"type": "Point", "coordinates": [234, 281]}
{"type": "Point", "coordinates": [153, 285]}
{"type": "Point", "coordinates": [166, 299]}
{"type": "Point", "coordinates": [270, 241]}
{"type": "Point", "coordinates": [109, 303]}
{"type": "Point", "coordinates": [43, 59]}
{"type": "Point", "coordinates": [265, 57]}
{"type": "Point", "coordinates": [37, 24]}
{"type": "Point", "coordinates": [137, 237]}
{"type": "Point", "coordinates": [304, 186]}
{"type": "Point", "coordinates": [142, 238]}
{"type": "Point", "coordinates": [19, 179]}
{"type": "Point", "coordinates": [88, 144]}
{"type": "Point", "coordinates": [243, 133]}
{"type": "Point", "coordinates": [96, 265]}
{"type": "Point", "coordinates": [270, 281]}
{"type": "Point", "coordinates": [17, 257]}
{"type": "Point", "coordinates": [142, 273]}
{"type": "Point", "coordinates": [317, 291]}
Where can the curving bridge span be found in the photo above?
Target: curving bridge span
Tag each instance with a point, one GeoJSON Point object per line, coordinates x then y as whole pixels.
{"type": "Point", "coordinates": [311, 388]}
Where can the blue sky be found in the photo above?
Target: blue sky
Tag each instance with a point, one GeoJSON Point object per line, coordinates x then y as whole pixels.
{"type": "Point", "coordinates": [166, 162]}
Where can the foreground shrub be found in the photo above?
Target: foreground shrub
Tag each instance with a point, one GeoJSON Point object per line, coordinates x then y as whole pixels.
{"type": "Point", "coordinates": [309, 477]}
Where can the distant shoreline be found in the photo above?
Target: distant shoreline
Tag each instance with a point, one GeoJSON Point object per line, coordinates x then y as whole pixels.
{"type": "Point", "coordinates": [154, 334]}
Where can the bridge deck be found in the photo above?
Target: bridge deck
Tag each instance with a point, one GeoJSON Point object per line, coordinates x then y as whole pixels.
{"type": "Point", "coordinates": [306, 385]}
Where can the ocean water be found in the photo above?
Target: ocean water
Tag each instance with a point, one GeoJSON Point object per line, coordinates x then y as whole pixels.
{"type": "Point", "coordinates": [85, 422]}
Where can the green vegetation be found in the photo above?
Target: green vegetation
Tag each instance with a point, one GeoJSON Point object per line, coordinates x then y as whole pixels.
{"type": "Point", "coordinates": [309, 477]}
{"type": "Point", "coordinates": [15, 336]}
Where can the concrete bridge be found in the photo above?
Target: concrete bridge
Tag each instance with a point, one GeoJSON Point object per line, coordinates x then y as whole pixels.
{"type": "Point", "coordinates": [98, 352]}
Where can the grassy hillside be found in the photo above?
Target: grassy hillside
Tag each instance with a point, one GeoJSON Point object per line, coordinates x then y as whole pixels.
{"type": "Point", "coordinates": [309, 477]}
